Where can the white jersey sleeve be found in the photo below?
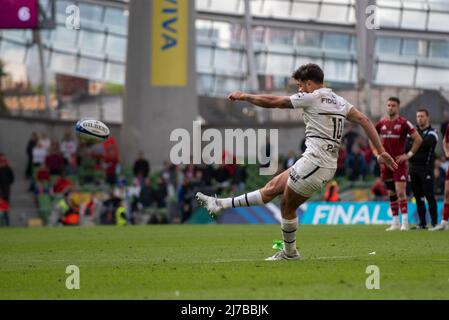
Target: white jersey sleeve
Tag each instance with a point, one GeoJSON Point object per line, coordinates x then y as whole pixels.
{"type": "Point", "coordinates": [303, 100]}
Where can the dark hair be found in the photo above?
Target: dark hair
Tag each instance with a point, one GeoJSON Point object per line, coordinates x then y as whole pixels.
{"type": "Point", "coordinates": [423, 110]}
{"type": "Point", "coordinates": [309, 71]}
{"type": "Point", "coordinates": [395, 99]}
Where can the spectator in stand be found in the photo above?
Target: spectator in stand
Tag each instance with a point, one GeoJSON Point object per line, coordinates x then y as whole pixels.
{"type": "Point", "coordinates": [197, 182]}
{"type": "Point", "coordinates": [132, 199]}
{"type": "Point", "coordinates": [350, 138]}
{"type": "Point", "coordinates": [240, 177]}
{"type": "Point", "coordinates": [68, 147]}
{"type": "Point", "coordinates": [43, 174]}
{"type": "Point", "coordinates": [39, 155]}
{"type": "Point", "coordinates": [42, 184]}
{"type": "Point", "coordinates": [169, 176]}
{"type": "Point", "coordinates": [70, 211]}
{"type": "Point", "coordinates": [45, 141]}
{"type": "Point", "coordinates": [208, 174]}
{"type": "Point", "coordinates": [189, 172]}
{"type": "Point", "coordinates": [291, 159]}
{"type": "Point", "coordinates": [220, 175]}
{"type": "Point", "coordinates": [379, 190]}
{"type": "Point", "coordinates": [332, 190]}
{"type": "Point", "coordinates": [6, 178]}
{"type": "Point", "coordinates": [88, 210]}
{"type": "Point", "coordinates": [141, 168]}
{"type": "Point", "coordinates": [110, 206]}
{"type": "Point", "coordinates": [54, 160]}
{"type": "Point", "coordinates": [160, 194]}
{"type": "Point", "coordinates": [184, 200]}
{"type": "Point", "coordinates": [111, 163]}
{"type": "Point", "coordinates": [146, 194]}
{"type": "Point", "coordinates": [34, 139]}
{"type": "Point", "coordinates": [341, 162]}
{"type": "Point", "coordinates": [356, 164]}
{"type": "Point", "coordinates": [4, 211]}
{"type": "Point", "coordinates": [72, 165]}
{"type": "Point", "coordinates": [62, 184]}
{"type": "Point", "coordinates": [367, 153]}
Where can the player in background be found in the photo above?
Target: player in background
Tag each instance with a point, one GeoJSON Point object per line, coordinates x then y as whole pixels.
{"type": "Point", "coordinates": [422, 164]}
{"type": "Point", "coordinates": [324, 116]}
{"type": "Point", "coordinates": [443, 225]}
{"type": "Point", "coordinates": [393, 130]}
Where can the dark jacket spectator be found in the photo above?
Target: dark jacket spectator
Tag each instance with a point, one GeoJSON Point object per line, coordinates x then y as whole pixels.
{"type": "Point", "coordinates": [240, 175]}
{"type": "Point", "coordinates": [141, 167]}
{"type": "Point", "coordinates": [110, 205]}
{"type": "Point", "coordinates": [6, 178]}
{"type": "Point", "coordinates": [350, 138]}
{"type": "Point", "coordinates": [30, 146]}
{"type": "Point", "coordinates": [146, 194]}
{"type": "Point", "coordinates": [356, 164]}
{"type": "Point", "coordinates": [160, 193]}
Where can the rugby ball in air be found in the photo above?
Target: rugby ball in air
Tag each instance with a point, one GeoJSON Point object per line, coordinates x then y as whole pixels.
{"type": "Point", "coordinates": [91, 130]}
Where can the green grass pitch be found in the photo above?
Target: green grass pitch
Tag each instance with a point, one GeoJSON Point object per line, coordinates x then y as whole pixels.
{"type": "Point", "coordinates": [221, 262]}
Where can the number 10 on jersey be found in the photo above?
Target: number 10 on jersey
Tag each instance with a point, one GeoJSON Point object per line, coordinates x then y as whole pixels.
{"type": "Point", "coordinates": [338, 127]}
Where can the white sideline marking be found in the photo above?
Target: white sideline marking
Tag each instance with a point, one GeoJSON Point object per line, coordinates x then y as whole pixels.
{"type": "Point", "coordinates": [232, 260]}
{"type": "Point", "coordinates": [333, 258]}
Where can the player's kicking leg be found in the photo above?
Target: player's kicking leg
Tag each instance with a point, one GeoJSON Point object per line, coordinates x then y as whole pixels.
{"type": "Point", "coordinates": [444, 225]}
{"type": "Point", "coordinates": [304, 180]}
{"type": "Point", "coordinates": [271, 190]}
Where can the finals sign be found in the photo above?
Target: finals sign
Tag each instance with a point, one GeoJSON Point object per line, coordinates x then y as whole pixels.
{"type": "Point", "coordinates": [169, 54]}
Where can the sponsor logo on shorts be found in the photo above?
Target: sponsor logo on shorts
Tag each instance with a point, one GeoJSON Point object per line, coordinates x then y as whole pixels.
{"type": "Point", "coordinates": [294, 176]}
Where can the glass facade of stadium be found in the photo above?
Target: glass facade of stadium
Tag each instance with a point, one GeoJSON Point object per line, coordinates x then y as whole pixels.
{"type": "Point", "coordinates": [411, 48]}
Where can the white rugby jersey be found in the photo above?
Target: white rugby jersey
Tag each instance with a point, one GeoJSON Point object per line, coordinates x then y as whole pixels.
{"type": "Point", "coordinates": [324, 115]}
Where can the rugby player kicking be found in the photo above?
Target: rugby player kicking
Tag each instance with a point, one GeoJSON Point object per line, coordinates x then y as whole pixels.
{"type": "Point", "coordinates": [324, 116]}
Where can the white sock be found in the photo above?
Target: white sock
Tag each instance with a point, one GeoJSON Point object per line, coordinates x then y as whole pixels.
{"type": "Point", "coordinates": [245, 200]}
{"type": "Point", "coordinates": [289, 228]}
{"type": "Point", "coordinates": [405, 219]}
{"type": "Point", "coordinates": [444, 222]}
{"type": "Point", "coordinates": [396, 219]}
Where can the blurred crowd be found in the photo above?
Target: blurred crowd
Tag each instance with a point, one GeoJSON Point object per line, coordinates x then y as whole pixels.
{"type": "Point", "coordinates": [78, 183]}
{"type": "Point", "coordinates": [62, 172]}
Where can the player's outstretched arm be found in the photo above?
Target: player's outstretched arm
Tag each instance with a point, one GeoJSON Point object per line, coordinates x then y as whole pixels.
{"type": "Point", "coordinates": [263, 100]}
{"type": "Point", "coordinates": [382, 156]}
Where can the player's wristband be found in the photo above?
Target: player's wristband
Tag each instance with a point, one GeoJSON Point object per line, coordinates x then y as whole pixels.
{"type": "Point", "coordinates": [410, 154]}
{"type": "Point", "coordinates": [378, 156]}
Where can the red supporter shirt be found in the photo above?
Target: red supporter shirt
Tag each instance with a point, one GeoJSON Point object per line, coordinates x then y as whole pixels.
{"type": "Point", "coordinates": [61, 185]}
{"type": "Point", "coordinates": [393, 134]}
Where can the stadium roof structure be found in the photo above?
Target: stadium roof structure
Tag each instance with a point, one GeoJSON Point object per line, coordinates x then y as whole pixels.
{"type": "Point", "coordinates": [254, 45]}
